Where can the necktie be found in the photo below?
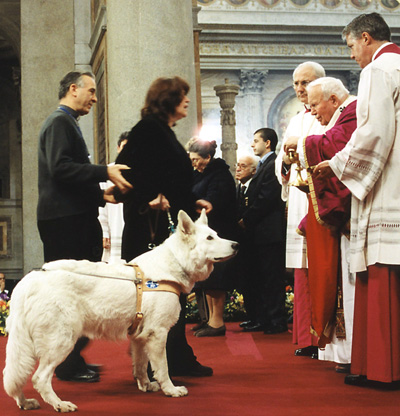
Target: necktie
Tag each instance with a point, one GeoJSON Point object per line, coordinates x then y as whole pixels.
{"type": "Point", "coordinates": [259, 165]}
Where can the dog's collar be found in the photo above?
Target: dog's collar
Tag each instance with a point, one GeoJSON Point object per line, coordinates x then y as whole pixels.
{"type": "Point", "coordinates": [146, 285]}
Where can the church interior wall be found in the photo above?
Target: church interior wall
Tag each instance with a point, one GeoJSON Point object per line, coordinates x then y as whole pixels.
{"type": "Point", "coordinates": [238, 39]}
{"type": "Point", "coordinates": [273, 37]}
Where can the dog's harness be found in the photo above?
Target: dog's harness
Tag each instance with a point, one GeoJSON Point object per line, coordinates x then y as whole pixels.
{"type": "Point", "coordinates": [142, 285]}
{"type": "Point", "coordinates": [146, 285]}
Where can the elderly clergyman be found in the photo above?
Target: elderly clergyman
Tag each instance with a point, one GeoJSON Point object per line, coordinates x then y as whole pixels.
{"type": "Point", "coordinates": [327, 221]}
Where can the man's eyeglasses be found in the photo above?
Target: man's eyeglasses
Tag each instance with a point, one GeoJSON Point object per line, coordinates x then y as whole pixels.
{"type": "Point", "coordinates": [241, 166]}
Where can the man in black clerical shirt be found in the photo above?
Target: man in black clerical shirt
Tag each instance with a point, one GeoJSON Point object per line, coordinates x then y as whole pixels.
{"type": "Point", "coordinates": [69, 194]}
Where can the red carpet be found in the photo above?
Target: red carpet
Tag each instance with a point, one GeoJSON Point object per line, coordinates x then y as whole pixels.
{"type": "Point", "coordinates": [254, 374]}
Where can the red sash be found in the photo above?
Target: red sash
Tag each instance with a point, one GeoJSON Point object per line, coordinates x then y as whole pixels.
{"type": "Point", "coordinates": [391, 48]}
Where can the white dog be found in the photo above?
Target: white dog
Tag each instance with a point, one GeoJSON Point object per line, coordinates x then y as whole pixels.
{"type": "Point", "coordinates": [52, 308]}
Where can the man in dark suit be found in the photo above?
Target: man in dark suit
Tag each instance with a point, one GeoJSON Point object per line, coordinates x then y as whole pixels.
{"type": "Point", "coordinates": [263, 223]}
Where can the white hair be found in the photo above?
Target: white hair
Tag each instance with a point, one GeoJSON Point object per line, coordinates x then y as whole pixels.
{"type": "Point", "coordinates": [330, 86]}
{"type": "Point", "coordinates": [252, 159]}
{"type": "Point", "coordinates": [318, 69]}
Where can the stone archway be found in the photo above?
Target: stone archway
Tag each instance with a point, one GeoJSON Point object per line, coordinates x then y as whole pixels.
{"type": "Point", "coordinates": [284, 106]}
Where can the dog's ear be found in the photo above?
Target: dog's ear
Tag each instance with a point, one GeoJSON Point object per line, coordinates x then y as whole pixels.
{"type": "Point", "coordinates": [185, 224]}
{"type": "Point", "coordinates": [203, 217]}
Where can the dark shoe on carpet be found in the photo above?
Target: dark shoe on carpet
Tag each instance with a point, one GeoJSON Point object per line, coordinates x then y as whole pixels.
{"type": "Point", "coordinates": [314, 356]}
{"type": "Point", "coordinates": [276, 329]}
{"type": "Point", "coordinates": [200, 325]}
{"type": "Point", "coordinates": [306, 351]}
{"type": "Point", "coordinates": [97, 368]}
{"type": "Point", "coordinates": [210, 331]}
{"type": "Point", "coordinates": [253, 328]}
{"type": "Point", "coordinates": [356, 380]}
{"type": "Point", "coordinates": [197, 370]}
{"type": "Point", "coordinates": [87, 376]}
{"type": "Point", "coordinates": [246, 323]}
{"type": "Point", "coordinates": [343, 368]}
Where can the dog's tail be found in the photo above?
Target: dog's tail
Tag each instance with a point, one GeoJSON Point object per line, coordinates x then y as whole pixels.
{"type": "Point", "coordinates": [20, 355]}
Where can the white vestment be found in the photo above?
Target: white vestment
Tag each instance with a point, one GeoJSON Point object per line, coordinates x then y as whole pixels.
{"type": "Point", "coordinates": [111, 219]}
{"type": "Point", "coordinates": [301, 125]}
{"type": "Point", "coordinates": [339, 350]}
{"type": "Point", "coordinates": [369, 166]}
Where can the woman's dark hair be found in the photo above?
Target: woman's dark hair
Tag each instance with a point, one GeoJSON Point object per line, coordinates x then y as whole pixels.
{"type": "Point", "coordinates": [163, 96]}
{"type": "Point", "coordinates": [204, 148]}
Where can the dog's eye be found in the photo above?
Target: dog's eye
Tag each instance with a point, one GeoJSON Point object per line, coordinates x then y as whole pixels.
{"type": "Point", "coordinates": [210, 237]}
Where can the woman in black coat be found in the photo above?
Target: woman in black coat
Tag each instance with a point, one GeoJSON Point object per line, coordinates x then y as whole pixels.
{"type": "Point", "coordinates": [214, 183]}
{"type": "Point", "coordinates": [161, 175]}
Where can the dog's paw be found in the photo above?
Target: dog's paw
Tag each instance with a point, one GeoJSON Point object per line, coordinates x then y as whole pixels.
{"type": "Point", "coordinates": [148, 386]}
{"type": "Point", "coordinates": [30, 404]}
{"type": "Point", "coordinates": [153, 386]}
{"type": "Point", "coordinates": [176, 391]}
{"type": "Point", "coordinates": [65, 407]}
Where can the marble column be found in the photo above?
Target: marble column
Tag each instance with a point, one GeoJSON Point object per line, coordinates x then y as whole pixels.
{"type": "Point", "coordinates": [147, 40]}
{"type": "Point", "coordinates": [227, 93]}
{"type": "Point", "coordinates": [251, 86]}
{"type": "Point", "coordinates": [47, 50]}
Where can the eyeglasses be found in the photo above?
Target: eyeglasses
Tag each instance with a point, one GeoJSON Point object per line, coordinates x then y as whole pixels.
{"type": "Point", "coordinates": [241, 166]}
{"type": "Point", "coordinates": [302, 83]}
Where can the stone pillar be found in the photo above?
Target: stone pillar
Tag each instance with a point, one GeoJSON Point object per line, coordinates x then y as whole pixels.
{"type": "Point", "coordinates": [353, 78]}
{"type": "Point", "coordinates": [146, 40]}
{"type": "Point", "coordinates": [196, 35]}
{"type": "Point", "coordinates": [48, 53]}
{"type": "Point", "coordinates": [227, 94]}
{"type": "Point", "coordinates": [251, 85]}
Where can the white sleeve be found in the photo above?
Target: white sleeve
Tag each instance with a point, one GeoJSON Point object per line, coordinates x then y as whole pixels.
{"type": "Point", "coordinates": [360, 163]}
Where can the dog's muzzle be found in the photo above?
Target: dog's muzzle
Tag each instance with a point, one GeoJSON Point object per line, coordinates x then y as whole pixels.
{"type": "Point", "coordinates": [235, 248]}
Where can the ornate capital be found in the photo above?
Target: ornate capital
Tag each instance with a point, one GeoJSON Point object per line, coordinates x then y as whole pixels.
{"type": "Point", "coordinates": [226, 94]}
{"type": "Point", "coordinates": [252, 80]}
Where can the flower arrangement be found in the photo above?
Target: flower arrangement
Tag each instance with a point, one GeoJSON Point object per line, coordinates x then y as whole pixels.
{"type": "Point", "coordinates": [234, 308]}
{"type": "Point", "coordinates": [289, 301]}
{"type": "Point", "coordinates": [4, 311]}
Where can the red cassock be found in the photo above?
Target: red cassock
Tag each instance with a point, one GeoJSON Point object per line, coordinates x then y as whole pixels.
{"type": "Point", "coordinates": [328, 217]}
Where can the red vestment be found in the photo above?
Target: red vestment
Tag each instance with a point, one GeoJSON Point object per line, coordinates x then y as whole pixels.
{"type": "Point", "coordinates": [329, 211]}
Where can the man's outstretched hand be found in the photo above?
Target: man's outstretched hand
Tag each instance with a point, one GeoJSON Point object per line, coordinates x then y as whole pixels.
{"type": "Point", "coordinates": [115, 176]}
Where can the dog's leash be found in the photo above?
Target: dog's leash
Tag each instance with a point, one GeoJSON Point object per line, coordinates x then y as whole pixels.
{"type": "Point", "coordinates": [145, 285]}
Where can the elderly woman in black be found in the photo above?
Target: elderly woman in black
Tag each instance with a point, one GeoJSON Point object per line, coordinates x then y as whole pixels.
{"type": "Point", "coordinates": [214, 183]}
{"type": "Point", "coordinates": [161, 175]}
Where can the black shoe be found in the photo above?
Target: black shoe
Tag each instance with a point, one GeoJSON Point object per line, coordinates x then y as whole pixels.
{"type": "Point", "coordinates": [97, 368]}
{"type": "Point", "coordinates": [200, 325]}
{"type": "Point", "coordinates": [253, 328]}
{"type": "Point", "coordinates": [356, 380]}
{"type": "Point", "coordinates": [87, 376]}
{"type": "Point", "coordinates": [197, 370]}
{"type": "Point", "coordinates": [306, 351]}
{"type": "Point", "coordinates": [246, 323]}
{"type": "Point", "coordinates": [343, 368]}
{"type": "Point", "coordinates": [210, 331]}
{"type": "Point", "coordinates": [276, 329]}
